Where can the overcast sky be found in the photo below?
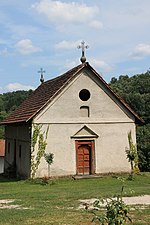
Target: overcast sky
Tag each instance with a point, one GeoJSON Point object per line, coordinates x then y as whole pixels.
{"type": "Point", "coordinates": [45, 34]}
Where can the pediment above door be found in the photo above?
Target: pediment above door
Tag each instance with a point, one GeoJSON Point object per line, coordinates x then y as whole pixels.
{"type": "Point", "coordinates": [85, 132]}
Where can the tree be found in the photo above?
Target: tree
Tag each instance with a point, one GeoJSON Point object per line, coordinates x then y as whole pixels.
{"type": "Point", "coordinates": [13, 99]}
{"type": "Point", "coordinates": [143, 144]}
{"type": "Point", "coordinates": [9, 102]}
{"type": "Point", "coordinates": [135, 91]}
{"type": "Point", "coordinates": [49, 157]}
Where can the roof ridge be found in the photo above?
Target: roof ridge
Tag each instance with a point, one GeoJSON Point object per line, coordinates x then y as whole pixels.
{"type": "Point", "coordinates": [61, 75]}
{"type": "Point", "coordinates": [45, 93]}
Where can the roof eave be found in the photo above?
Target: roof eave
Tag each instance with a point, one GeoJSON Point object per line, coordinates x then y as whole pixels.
{"type": "Point", "coordinates": [14, 122]}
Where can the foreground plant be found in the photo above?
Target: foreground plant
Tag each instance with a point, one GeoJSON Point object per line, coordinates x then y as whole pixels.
{"type": "Point", "coordinates": [117, 212]}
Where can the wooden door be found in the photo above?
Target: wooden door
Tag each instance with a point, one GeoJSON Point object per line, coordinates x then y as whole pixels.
{"type": "Point", "coordinates": [85, 157]}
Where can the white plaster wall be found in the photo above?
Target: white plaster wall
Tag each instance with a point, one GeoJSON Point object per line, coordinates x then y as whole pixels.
{"type": "Point", "coordinates": [109, 148]}
{"type": "Point", "coordinates": [109, 120]}
{"type": "Point", "coordinates": [66, 106]}
{"type": "Point", "coordinates": [63, 149]}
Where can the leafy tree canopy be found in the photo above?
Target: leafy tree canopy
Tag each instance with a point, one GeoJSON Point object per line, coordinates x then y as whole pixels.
{"type": "Point", "coordinates": [9, 102]}
{"type": "Point", "coordinates": [135, 91]}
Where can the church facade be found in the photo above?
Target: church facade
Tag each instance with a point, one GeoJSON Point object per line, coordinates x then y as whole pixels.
{"type": "Point", "coordinates": [86, 124]}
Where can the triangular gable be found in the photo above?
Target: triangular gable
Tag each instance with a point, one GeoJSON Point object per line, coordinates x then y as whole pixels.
{"type": "Point", "coordinates": [85, 132]}
{"type": "Point", "coordinates": [48, 90]}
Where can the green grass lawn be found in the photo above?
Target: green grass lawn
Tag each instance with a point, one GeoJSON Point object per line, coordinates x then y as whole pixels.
{"type": "Point", "coordinates": [57, 202]}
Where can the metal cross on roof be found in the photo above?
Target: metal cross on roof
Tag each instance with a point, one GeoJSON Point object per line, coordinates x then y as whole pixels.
{"type": "Point", "coordinates": [41, 71]}
{"type": "Point", "coordinates": [83, 47]}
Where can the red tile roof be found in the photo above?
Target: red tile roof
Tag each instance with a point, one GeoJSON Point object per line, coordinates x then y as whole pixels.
{"type": "Point", "coordinates": [40, 97]}
{"type": "Point", "coordinates": [2, 148]}
{"type": "Point", "coordinates": [47, 91]}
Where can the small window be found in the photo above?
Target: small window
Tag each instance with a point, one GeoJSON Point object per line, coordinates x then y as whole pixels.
{"type": "Point", "coordinates": [19, 151]}
{"type": "Point", "coordinates": [84, 111]}
{"type": "Point", "coordinates": [84, 94]}
{"type": "Point", "coordinates": [8, 147]}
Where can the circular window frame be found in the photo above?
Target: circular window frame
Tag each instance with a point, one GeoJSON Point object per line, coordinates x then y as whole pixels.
{"type": "Point", "coordinates": [84, 95]}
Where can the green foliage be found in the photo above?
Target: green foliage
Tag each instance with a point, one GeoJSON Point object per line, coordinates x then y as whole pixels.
{"type": "Point", "coordinates": [3, 114]}
{"type": "Point", "coordinates": [117, 212]}
{"type": "Point", "coordinates": [38, 141]}
{"type": "Point", "coordinates": [49, 157]}
{"type": "Point", "coordinates": [143, 144]}
{"type": "Point", "coordinates": [41, 181]}
{"type": "Point", "coordinates": [135, 91]}
{"type": "Point", "coordinates": [132, 155]}
{"type": "Point", "coordinates": [13, 99]}
{"type": "Point", "coordinates": [1, 132]}
{"type": "Point", "coordinates": [9, 102]}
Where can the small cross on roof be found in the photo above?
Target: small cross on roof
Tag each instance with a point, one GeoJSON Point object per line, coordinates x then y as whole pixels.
{"type": "Point", "coordinates": [41, 71]}
{"type": "Point", "coordinates": [83, 47]}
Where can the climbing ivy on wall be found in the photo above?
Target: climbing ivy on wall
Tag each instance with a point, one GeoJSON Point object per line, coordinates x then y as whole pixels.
{"type": "Point", "coordinates": [132, 155]}
{"type": "Point", "coordinates": [38, 146]}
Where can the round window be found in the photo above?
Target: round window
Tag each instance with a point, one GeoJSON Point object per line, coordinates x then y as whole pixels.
{"type": "Point", "coordinates": [84, 94]}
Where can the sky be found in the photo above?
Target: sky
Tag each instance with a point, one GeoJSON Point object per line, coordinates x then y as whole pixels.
{"type": "Point", "coordinates": [45, 34]}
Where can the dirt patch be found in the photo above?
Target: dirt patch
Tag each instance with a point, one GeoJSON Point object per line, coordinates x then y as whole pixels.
{"type": "Point", "coordinates": [8, 204]}
{"type": "Point", "coordinates": [136, 200]}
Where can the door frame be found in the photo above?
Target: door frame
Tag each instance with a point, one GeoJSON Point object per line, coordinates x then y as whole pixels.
{"type": "Point", "coordinates": [91, 144]}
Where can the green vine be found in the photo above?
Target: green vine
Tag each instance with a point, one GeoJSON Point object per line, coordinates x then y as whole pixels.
{"type": "Point", "coordinates": [132, 155]}
{"type": "Point", "coordinates": [38, 142]}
